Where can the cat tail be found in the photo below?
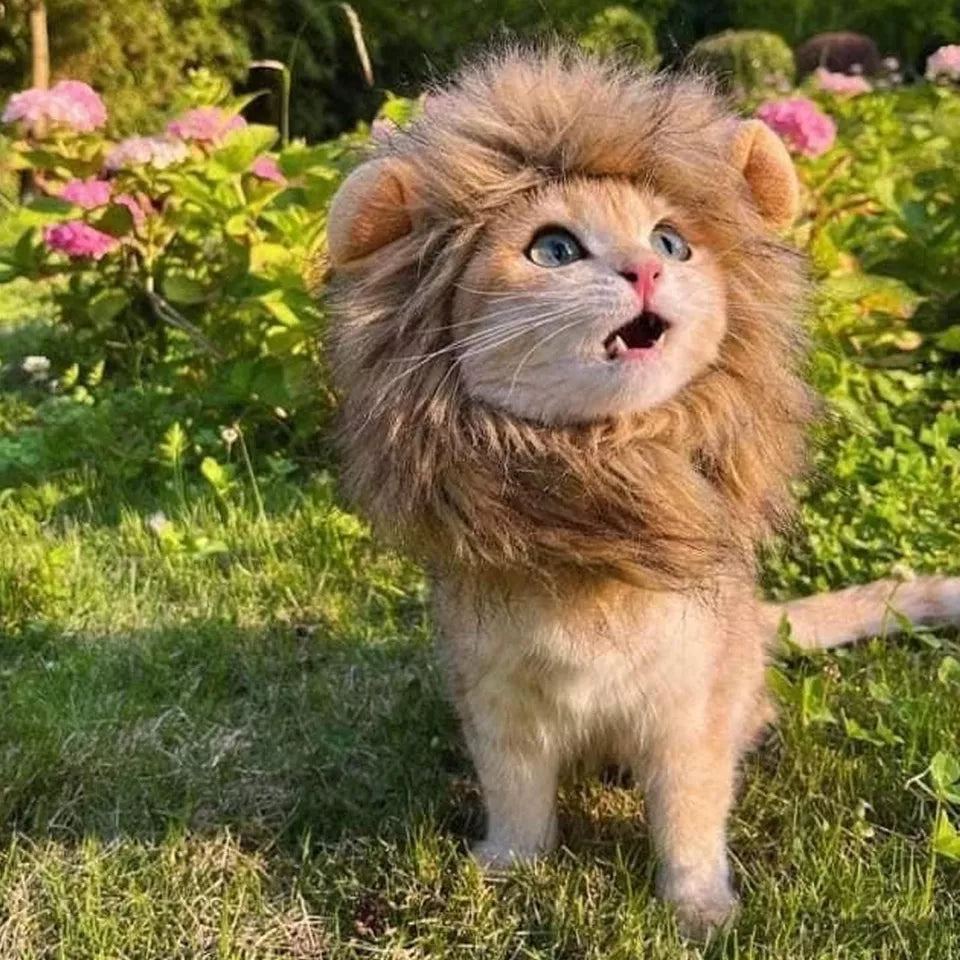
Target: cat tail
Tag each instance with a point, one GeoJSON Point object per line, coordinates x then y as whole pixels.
{"type": "Point", "coordinates": [881, 608]}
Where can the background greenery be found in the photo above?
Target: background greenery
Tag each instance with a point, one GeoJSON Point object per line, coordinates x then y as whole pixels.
{"type": "Point", "coordinates": [222, 732]}
{"type": "Point", "coordinates": [136, 51]}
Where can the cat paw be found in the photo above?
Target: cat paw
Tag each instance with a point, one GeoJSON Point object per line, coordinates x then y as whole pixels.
{"type": "Point", "coordinates": [704, 905]}
{"type": "Point", "coordinates": [701, 919]}
{"type": "Point", "coordinates": [493, 857]}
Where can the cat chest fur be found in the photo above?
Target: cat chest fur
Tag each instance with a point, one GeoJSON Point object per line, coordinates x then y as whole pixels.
{"type": "Point", "coordinates": [594, 670]}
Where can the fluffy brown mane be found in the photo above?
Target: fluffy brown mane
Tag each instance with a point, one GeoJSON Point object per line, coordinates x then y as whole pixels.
{"type": "Point", "coordinates": [662, 499]}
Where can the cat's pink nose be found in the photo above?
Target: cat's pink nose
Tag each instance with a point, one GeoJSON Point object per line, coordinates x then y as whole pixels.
{"type": "Point", "coordinates": [643, 276]}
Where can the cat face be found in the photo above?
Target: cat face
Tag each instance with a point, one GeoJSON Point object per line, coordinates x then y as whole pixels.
{"type": "Point", "coordinates": [590, 299]}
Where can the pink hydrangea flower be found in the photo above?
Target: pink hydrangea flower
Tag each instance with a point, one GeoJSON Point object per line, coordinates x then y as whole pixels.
{"type": "Point", "coordinates": [840, 84]}
{"type": "Point", "coordinates": [78, 239]}
{"type": "Point", "coordinates": [800, 124]}
{"type": "Point", "coordinates": [69, 104]}
{"type": "Point", "coordinates": [944, 62]}
{"type": "Point", "coordinates": [267, 168]}
{"type": "Point", "coordinates": [158, 152]}
{"type": "Point", "coordinates": [85, 99]}
{"type": "Point", "coordinates": [87, 193]}
{"type": "Point", "coordinates": [205, 125]}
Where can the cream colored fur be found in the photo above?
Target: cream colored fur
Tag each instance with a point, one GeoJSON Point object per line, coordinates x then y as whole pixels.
{"type": "Point", "coordinates": [589, 526]}
{"type": "Point", "coordinates": [669, 684]}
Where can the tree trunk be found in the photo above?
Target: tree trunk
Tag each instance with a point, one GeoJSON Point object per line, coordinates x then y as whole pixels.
{"type": "Point", "coordinates": [39, 45]}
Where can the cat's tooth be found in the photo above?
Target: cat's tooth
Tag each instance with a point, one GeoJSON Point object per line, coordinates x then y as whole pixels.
{"type": "Point", "coordinates": [616, 347]}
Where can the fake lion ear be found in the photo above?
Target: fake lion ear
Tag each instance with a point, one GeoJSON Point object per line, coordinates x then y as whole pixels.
{"type": "Point", "coordinates": [768, 169]}
{"type": "Point", "coordinates": [370, 210]}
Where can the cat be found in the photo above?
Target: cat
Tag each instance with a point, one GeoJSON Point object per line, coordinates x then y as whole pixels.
{"type": "Point", "coordinates": [568, 342]}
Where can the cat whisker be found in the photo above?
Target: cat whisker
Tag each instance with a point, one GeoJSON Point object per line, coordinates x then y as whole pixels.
{"type": "Point", "coordinates": [541, 321]}
{"type": "Point", "coordinates": [483, 342]}
{"type": "Point", "coordinates": [539, 343]}
{"type": "Point", "coordinates": [514, 321]}
{"type": "Point", "coordinates": [453, 366]}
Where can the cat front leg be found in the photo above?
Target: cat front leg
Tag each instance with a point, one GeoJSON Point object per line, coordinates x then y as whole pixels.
{"type": "Point", "coordinates": [690, 784]}
{"type": "Point", "coordinates": [518, 764]}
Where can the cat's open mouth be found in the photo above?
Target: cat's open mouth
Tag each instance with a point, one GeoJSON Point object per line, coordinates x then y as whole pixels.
{"type": "Point", "coordinates": [642, 333]}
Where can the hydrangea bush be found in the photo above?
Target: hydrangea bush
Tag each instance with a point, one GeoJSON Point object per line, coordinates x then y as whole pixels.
{"type": "Point", "coordinates": [179, 256]}
{"type": "Point", "coordinates": [880, 217]}
{"type": "Point", "coordinates": [178, 259]}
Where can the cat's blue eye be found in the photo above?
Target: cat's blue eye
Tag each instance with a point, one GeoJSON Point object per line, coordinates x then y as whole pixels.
{"type": "Point", "coordinates": [668, 243]}
{"type": "Point", "coordinates": [555, 247]}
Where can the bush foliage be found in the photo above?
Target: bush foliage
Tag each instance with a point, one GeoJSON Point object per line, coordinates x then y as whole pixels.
{"type": "Point", "coordinates": [137, 53]}
{"type": "Point", "coordinates": [618, 30]}
{"type": "Point", "coordinates": [199, 312]}
{"type": "Point", "coordinates": [182, 280]}
{"type": "Point", "coordinates": [746, 60]}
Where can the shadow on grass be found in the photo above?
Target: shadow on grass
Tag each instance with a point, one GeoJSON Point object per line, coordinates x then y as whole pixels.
{"type": "Point", "coordinates": [274, 735]}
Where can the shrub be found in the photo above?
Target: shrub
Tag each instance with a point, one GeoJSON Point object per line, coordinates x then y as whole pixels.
{"type": "Point", "coordinates": [901, 27]}
{"type": "Point", "coordinates": [620, 30]}
{"type": "Point", "coordinates": [136, 52]}
{"type": "Point", "coordinates": [839, 53]}
{"type": "Point", "coordinates": [177, 258]}
{"type": "Point", "coordinates": [409, 41]}
{"type": "Point", "coordinates": [746, 60]}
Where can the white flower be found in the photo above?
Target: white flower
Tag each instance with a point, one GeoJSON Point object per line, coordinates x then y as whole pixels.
{"type": "Point", "coordinates": [37, 367]}
{"type": "Point", "coordinates": [158, 152]}
{"type": "Point", "coordinates": [35, 364]}
{"type": "Point", "coordinates": [157, 523]}
{"type": "Point", "coordinates": [229, 435]}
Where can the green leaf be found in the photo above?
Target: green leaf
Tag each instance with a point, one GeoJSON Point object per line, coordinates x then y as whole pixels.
{"type": "Point", "coordinates": [95, 375]}
{"type": "Point", "coordinates": [69, 377]}
{"type": "Point", "coordinates": [52, 205]}
{"type": "Point", "coordinates": [25, 251]}
{"type": "Point", "coordinates": [949, 670]}
{"type": "Point", "coordinates": [944, 773]}
{"type": "Point", "coordinates": [263, 256]}
{"type": "Point", "coordinates": [106, 305]}
{"type": "Point", "coordinates": [781, 685]}
{"type": "Point", "coordinates": [193, 188]}
{"type": "Point", "coordinates": [241, 148]}
{"type": "Point", "coordinates": [269, 384]}
{"type": "Point", "coordinates": [297, 159]}
{"type": "Point", "coordinates": [873, 293]}
{"type": "Point", "coordinates": [884, 191]}
{"type": "Point", "coordinates": [855, 732]}
{"type": "Point", "coordinates": [886, 735]}
{"type": "Point", "coordinates": [117, 220]}
{"type": "Point", "coordinates": [216, 475]}
{"type": "Point", "coordinates": [950, 339]}
{"type": "Point", "coordinates": [281, 311]}
{"type": "Point", "coordinates": [49, 160]}
{"type": "Point", "coordinates": [179, 288]}
{"type": "Point", "coordinates": [946, 838]}
{"type": "Point", "coordinates": [813, 702]}
{"type": "Point", "coordinates": [399, 110]}
{"type": "Point", "coordinates": [879, 691]}
{"type": "Point", "coordinates": [282, 340]}
{"type": "Point", "coordinates": [173, 445]}
{"type": "Point", "coordinates": [201, 547]}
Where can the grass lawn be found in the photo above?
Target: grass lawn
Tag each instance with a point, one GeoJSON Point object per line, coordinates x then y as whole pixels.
{"type": "Point", "coordinates": [222, 733]}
